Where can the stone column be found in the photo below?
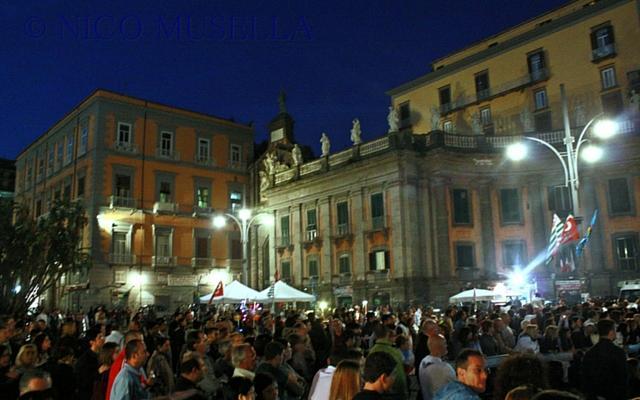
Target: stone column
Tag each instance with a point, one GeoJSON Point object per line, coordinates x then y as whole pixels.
{"type": "Point", "coordinates": [487, 228]}
{"type": "Point", "coordinates": [535, 200]}
{"type": "Point", "coordinates": [357, 199]}
{"type": "Point", "coordinates": [297, 237]}
{"type": "Point", "coordinates": [326, 233]}
{"type": "Point", "coordinates": [444, 267]}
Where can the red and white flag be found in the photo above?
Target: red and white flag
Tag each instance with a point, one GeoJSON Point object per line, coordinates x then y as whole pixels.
{"type": "Point", "coordinates": [570, 232]}
{"type": "Point", "coordinates": [217, 292]}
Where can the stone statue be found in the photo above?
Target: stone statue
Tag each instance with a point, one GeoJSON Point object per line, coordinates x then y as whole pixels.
{"type": "Point", "coordinates": [393, 120]}
{"type": "Point", "coordinates": [269, 163]}
{"type": "Point", "coordinates": [356, 132]}
{"type": "Point", "coordinates": [634, 101]}
{"type": "Point", "coordinates": [476, 124]}
{"type": "Point", "coordinates": [264, 181]}
{"type": "Point", "coordinates": [435, 118]}
{"type": "Point", "coordinates": [326, 144]}
{"type": "Point", "coordinates": [527, 120]}
{"type": "Point", "coordinates": [296, 155]}
{"type": "Point", "coordinates": [282, 101]}
{"type": "Point", "coordinates": [579, 112]}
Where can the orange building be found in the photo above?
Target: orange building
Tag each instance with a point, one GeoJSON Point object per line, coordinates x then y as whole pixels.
{"type": "Point", "coordinates": [150, 177]}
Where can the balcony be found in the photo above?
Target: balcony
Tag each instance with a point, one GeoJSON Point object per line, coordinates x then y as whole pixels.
{"type": "Point", "coordinates": [122, 259]}
{"type": "Point", "coordinates": [345, 278]}
{"type": "Point", "coordinates": [342, 230]}
{"type": "Point", "coordinates": [161, 207]}
{"type": "Point", "coordinates": [236, 165]}
{"type": "Point", "coordinates": [602, 52]}
{"type": "Point", "coordinates": [378, 275]}
{"type": "Point", "coordinates": [160, 261]}
{"type": "Point", "coordinates": [377, 223]}
{"type": "Point", "coordinates": [125, 147]}
{"type": "Point", "coordinates": [167, 154]}
{"type": "Point", "coordinates": [204, 161]}
{"type": "Point", "coordinates": [202, 211]}
{"type": "Point", "coordinates": [122, 202]}
{"type": "Point", "coordinates": [200, 262]}
{"type": "Point", "coordinates": [310, 235]}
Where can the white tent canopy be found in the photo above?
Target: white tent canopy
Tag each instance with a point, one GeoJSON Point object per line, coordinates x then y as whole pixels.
{"type": "Point", "coordinates": [234, 292]}
{"type": "Point", "coordinates": [284, 293]}
{"type": "Point", "coordinates": [473, 295]}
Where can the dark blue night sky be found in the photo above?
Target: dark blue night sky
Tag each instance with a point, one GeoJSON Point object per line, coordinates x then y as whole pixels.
{"type": "Point", "coordinates": [334, 59]}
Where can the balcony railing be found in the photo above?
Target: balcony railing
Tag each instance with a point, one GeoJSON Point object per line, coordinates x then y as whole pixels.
{"type": "Point", "coordinates": [200, 262]}
{"type": "Point", "coordinates": [377, 222]}
{"type": "Point", "coordinates": [205, 161]}
{"type": "Point", "coordinates": [285, 241]}
{"type": "Point", "coordinates": [164, 207]}
{"type": "Point", "coordinates": [345, 278]}
{"type": "Point", "coordinates": [603, 51]}
{"type": "Point", "coordinates": [197, 210]}
{"type": "Point", "coordinates": [310, 235]}
{"type": "Point", "coordinates": [168, 154]}
{"type": "Point", "coordinates": [122, 259]}
{"type": "Point", "coordinates": [121, 202]}
{"type": "Point", "coordinates": [378, 275]}
{"type": "Point", "coordinates": [374, 146]}
{"type": "Point", "coordinates": [342, 229]}
{"type": "Point", "coordinates": [236, 164]}
{"type": "Point", "coordinates": [125, 147]}
{"type": "Point", "coordinates": [164, 260]}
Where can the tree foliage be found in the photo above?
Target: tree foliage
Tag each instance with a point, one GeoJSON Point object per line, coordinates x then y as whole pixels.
{"type": "Point", "coordinates": [36, 252]}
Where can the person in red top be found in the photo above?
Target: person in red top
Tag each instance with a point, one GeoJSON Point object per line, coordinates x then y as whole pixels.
{"type": "Point", "coordinates": [119, 362]}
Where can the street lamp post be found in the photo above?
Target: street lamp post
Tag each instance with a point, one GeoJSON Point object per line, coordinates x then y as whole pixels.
{"type": "Point", "coordinates": [244, 221]}
{"type": "Point", "coordinates": [569, 159]}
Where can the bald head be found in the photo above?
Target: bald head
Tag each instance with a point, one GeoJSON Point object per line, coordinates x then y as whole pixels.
{"type": "Point", "coordinates": [430, 328]}
{"type": "Point", "coordinates": [437, 345]}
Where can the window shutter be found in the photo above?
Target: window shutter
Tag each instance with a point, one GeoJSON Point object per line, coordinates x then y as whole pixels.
{"type": "Point", "coordinates": [372, 261]}
{"type": "Point", "coordinates": [594, 41]}
{"type": "Point", "coordinates": [387, 259]}
{"type": "Point", "coordinates": [610, 32]}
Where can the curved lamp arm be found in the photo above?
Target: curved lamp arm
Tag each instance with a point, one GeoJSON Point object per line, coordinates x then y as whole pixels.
{"type": "Point", "coordinates": [557, 153]}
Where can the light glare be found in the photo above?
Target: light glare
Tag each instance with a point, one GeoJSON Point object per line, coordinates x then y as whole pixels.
{"type": "Point", "coordinates": [244, 214]}
{"type": "Point", "coordinates": [605, 128]}
{"type": "Point", "coordinates": [517, 151]}
{"type": "Point", "coordinates": [592, 153]}
{"type": "Point", "coordinates": [219, 221]}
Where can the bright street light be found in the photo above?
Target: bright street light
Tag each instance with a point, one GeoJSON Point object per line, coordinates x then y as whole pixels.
{"type": "Point", "coordinates": [517, 151]}
{"type": "Point", "coordinates": [592, 153]}
{"type": "Point", "coordinates": [605, 128]}
{"type": "Point", "coordinates": [517, 279]}
{"type": "Point", "coordinates": [243, 220]}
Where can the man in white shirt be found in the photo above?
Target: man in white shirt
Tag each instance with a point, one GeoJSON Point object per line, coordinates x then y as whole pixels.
{"type": "Point", "coordinates": [435, 373]}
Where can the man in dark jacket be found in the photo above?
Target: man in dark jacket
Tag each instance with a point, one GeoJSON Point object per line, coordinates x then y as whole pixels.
{"type": "Point", "coordinates": [604, 367]}
{"type": "Point", "coordinates": [86, 368]}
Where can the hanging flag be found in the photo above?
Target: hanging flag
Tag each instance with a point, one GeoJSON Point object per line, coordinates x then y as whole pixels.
{"type": "Point", "coordinates": [587, 235]}
{"type": "Point", "coordinates": [276, 276]}
{"type": "Point", "coordinates": [570, 232]}
{"type": "Point", "coordinates": [271, 291]}
{"type": "Point", "coordinates": [217, 292]}
{"type": "Point", "coordinates": [554, 239]}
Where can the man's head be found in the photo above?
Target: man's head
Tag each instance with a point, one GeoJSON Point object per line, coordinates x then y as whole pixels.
{"type": "Point", "coordinates": [437, 346]}
{"type": "Point", "coordinates": [34, 381]}
{"type": "Point", "coordinates": [378, 370]}
{"type": "Point", "coordinates": [243, 356]}
{"type": "Point", "coordinates": [132, 335]}
{"type": "Point", "coordinates": [163, 344]}
{"type": "Point", "coordinates": [606, 329]}
{"type": "Point", "coordinates": [197, 341]}
{"type": "Point", "coordinates": [273, 353]}
{"type": "Point", "coordinates": [470, 369]}
{"type": "Point", "coordinates": [95, 338]}
{"type": "Point", "coordinates": [192, 369]}
{"type": "Point", "coordinates": [430, 328]}
{"type": "Point", "coordinates": [135, 353]}
{"type": "Point", "coordinates": [382, 331]}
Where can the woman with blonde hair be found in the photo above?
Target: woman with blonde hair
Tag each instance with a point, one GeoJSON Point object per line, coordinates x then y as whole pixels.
{"type": "Point", "coordinates": [527, 343]}
{"type": "Point", "coordinates": [26, 358]}
{"type": "Point", "coordinates": [346, 381]}
{"type": "Point", "coordinates": [550, 341]}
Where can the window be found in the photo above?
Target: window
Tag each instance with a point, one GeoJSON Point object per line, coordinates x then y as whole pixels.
{"type": "Point", "coordinates": [81, 186]}
{"type": "Point", "coordinates": [559, 200]}
{"type": "Point", "coordinates": [166, 144]}
{"type": "Point", "coordinates": [165, 192]}
{"type": "Point", "coordinates": [464, 255]}
{"type": "Point", "coordinates": [461, 206]}
{"type": "Point", "coordinates": [343, 218]}
{"type": "Point", "coordinates": [379, 260]}
{"type": "Point", "coordinates": [66, 192]}
{"type": "Point", "coordinates": [377, 211]}
{"type": "Point", "coordinates": [444, 95]}
{"type": "Point", "coordinates": [50, 159]}
{"type": "Point", "coordinates": [626, 250]}
{"type": "Point", "coordinates": [344, 264]}
{"type": "Point", "coordinates": [634, 80]}
{"type": "Point", "coordinates": [124, 134]}
{"type": "Point", "coordinates": [612, 103]}
{"type": "Point", "coordinates": [236, 249]}
{"type": "Point", "coordinates": [482, 85]}
{"type": "Point", "coordinates": [286, 270]}
{"type": "Point", "coordinates": [510, 206]}
{"type": "Point", "coordinates": [619, 196]}
{"type": "Point", "coordinates": [514, 253]}
{"type": "Point", "coordinates": [163, 245]}
{"type": "Point", "coordinates": [69, 155]}
{"type": "Point", "coordinates": [29, 172]}
{"type": "Point", "coordinates": [120, 247]}
{"type": "Point", "coordinates": [485, 119]}
{"type": "Point", "coordinates": [38, 207]}
{"type": "Point", "coordinates": [608, 76]}
{"type": "Point", "coordinates": [405, 114]}
{"type": "Point", "coordinates": [40, 168]}
{"type": "Point", "coordinates": [123, 186]}
{"type": "Point", "coordinates": [235, 200]}
{"type": "Point", "coordinates": [285, 239]}
{"type": "Point", "coordinates": [202, 245]}
{"type": "Point", "coordinates": [542, 121]}
{"type": "Point", "coordinates": [236, 154]}
{"type": "Point", "coordinates": [540, 99]}
{"type": "Point", "coordinates": [537, 66]}
{"type": "Point", "coordinates": [59, 153]}
{"type": "Point", "coordinates": [202, 197]}
{"type": "Point", "coordinates": [602, 43]}
{"type": "Point", "coordinates": [204, 150]}
{"type": "Point", "coordinates": [311, 224]}
{"type": "Point", "coordinates": [447, 126]}
{"type": "Point", "coordinates": [84, 140]}
{"type": "Point", "coordinates": [312, 267]}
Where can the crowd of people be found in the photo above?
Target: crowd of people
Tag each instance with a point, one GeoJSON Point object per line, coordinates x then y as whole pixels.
{"type": "Point", "coordinates": [578, 352]}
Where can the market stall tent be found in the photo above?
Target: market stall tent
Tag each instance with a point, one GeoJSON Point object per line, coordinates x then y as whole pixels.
{"type": "Point", "coordinates": [281, 292]}
{"type": "Point", "coordinates": [234, 292]}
